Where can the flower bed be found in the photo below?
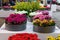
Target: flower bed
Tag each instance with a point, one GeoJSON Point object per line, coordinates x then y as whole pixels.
{"type": "Point", "coordinates": [24, 36]}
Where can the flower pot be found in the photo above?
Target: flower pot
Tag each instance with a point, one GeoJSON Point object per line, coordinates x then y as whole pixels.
{"type": "Point", "coordinates": [30, 19]}
{"type": "Point", "coordinates": [6, 7]}
{"type": "Point", "coordinates": [44, 29]}
{"type": "Point", "coordinates": [12, 9]}
{"type": "Point", "coordinates": [0, 8]}
{"type": "Point", "coordinates": [12, 27]}
{"type": "Point", "coordinates": [48, 8]}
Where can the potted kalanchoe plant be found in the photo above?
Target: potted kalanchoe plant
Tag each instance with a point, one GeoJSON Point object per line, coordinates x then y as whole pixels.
{"type": "Point", "coordinates": [16, 22]}
{"type": "Point", "coordinates": [43, 23]}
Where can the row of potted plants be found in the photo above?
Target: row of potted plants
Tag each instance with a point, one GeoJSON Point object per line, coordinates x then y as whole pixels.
{"type": "Point", "coordinates": [30, 6]}
{"type": "Point", "coordinates": [7, 7]}
{"type": "Point", "coordinates": [42, 22]}
{"type": "Point", "coordinates": [27, 6]}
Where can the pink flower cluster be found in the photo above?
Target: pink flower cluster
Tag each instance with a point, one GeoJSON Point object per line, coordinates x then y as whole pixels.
{"type": "Point", "coordinates": [6, 6]}
{"type": "Point", "coordinates": [44, 15]}
{"type": "Point", "coordinates": [16, 18]}
{"type": "Point", "coordinates": [45, 12]}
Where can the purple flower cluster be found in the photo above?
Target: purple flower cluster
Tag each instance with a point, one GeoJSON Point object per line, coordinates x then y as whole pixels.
{"type": "Point", "coordinates": [45, 12]}
{"type": "Point", "coordinates": [44, 15]}
{"type": "Point", "coordinates": [16, 18]}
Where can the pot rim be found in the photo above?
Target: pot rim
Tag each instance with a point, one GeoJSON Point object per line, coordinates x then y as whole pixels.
{"type": "Point", "coordinates": [47, 26]}
{"type": "Point", "coordinates": [16, 24]}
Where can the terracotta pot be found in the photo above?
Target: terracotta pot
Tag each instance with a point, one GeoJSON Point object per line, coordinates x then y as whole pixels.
{"type": "Point", "coordinates": [12, 27]}
{"type": "Point", "coordinates": [44, 29]}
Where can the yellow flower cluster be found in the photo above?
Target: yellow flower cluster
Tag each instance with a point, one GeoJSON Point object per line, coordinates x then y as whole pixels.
{"type": "Point", "coordinates": [50, 38]}
{"type": "Point", "coordinates": [13, 7]}
{"type": "Point", "coordinates": [53, 38]}
{"type": "Point", "coordinates": [43, 22]}
{"type": "Point", "coordinates": [42, 6]}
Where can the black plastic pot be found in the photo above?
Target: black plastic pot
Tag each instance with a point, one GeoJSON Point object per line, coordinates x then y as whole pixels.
{"type": "Point", "coordinates": [6, 9]}
{"type": "Point", "coordinates": [12, 9]}
{"type": "Point", "coordinates": [0, 8]}
{"type": "Point", "coordinates": [44, 29]}
{"type": "Point", "coordinates": [12, 27]}
{"type": "Point", "coordinates": [48, 9]}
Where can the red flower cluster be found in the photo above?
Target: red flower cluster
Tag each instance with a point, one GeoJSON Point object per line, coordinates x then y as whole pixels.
{"type": "Point", "coordinates": [16, 18]}
{"type": "Point", "coordinates": [24, 36]}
